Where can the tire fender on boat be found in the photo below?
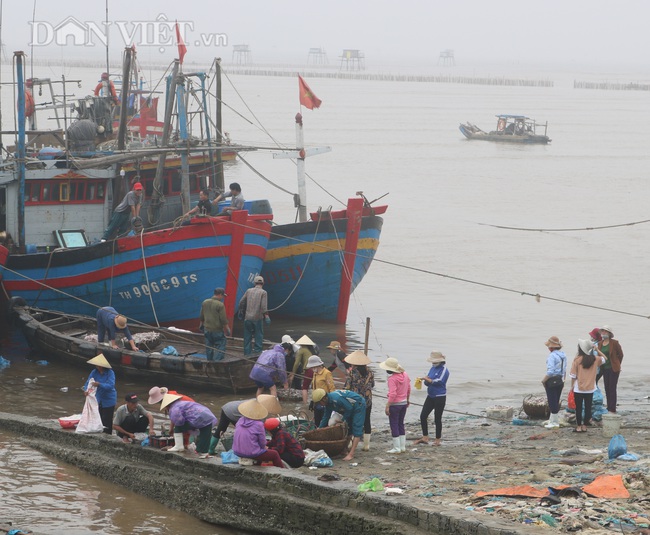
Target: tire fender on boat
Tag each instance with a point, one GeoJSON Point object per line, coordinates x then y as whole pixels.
{"type": "Point", "coordinates": [13, 303]}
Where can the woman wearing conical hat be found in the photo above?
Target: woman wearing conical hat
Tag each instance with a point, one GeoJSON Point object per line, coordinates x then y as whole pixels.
{"type": "Point", "coordinates": [302, 356]}
{"type": "Point", "coordinates": [188, 416]}
{"type": "Point", "coordinates": [249, 440]}
{"type": "Point", "coordinates": [103, 378]}
{"type": "Point", "coordinates": [361, 380]}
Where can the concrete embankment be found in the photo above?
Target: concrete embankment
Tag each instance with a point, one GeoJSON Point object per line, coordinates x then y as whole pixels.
{"type": "Point", "coordinates": [264, 500]}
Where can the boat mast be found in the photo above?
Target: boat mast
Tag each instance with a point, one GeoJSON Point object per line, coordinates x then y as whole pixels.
{"type": "Point", "coordinates": [156, 195]}
{"type": "Point", "coordinates": [124, 108]}
{"type": "Point", "coordinates": [181, 101]}
{"type": "Point", "coordinates": [19, 56]}
{"type": "Point", "coordinates": [218, 176]}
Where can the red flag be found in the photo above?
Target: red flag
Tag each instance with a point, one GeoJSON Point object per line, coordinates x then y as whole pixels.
{"type": "Point", "coordinates": [182, 49]}
{"type": "Point", "coordinates": [307, 97]}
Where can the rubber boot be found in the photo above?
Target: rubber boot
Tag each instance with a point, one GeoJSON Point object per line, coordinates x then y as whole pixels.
{"type": "Point", "coordinates": [366, 442]}
{"type": "Point", "coordinates": [402, 443]}
{"type": "Point", "coordinates": [396, 446]}
{"type": "Point", "coordinates": [213, 444]}
{"type": "Point", "coordinates": [178, 443]}
{"type": "Point", "coordinates": [553, 421]}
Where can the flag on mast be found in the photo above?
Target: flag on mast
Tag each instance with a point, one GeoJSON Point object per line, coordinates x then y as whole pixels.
{"type": "Point", "coordinates": [182, 49]}
{"type": "Point", "coordinates": [307, 97]}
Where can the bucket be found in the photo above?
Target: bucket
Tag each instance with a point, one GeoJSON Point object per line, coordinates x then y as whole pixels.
{"type": "Point", "coordinates": [611, 424]}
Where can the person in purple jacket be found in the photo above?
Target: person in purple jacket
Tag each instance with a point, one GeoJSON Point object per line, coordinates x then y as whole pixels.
{"type": "Point", "coordinates": [271, 368]}
{"type": "Point", "coordinates": [186, 416]}
{"type": "Point", "coordinates": [250, 437]}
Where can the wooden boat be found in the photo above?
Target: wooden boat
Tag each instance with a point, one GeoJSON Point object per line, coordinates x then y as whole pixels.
{"type": "Point", "coordinates": [509, 129]}
{"type": "Point", "coordinates": [63, 337]}
{"type": "Point", "coordinates": [311, 268]}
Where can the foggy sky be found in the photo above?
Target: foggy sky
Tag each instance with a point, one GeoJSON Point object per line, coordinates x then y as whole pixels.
{"type": "Point", "coordinates": [580, 32]}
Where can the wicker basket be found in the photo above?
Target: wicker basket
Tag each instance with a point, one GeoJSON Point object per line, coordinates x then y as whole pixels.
{"type": "Point", "coordinates": [536, 406]}
{"type": "Point", "coordinates": [333, 440]}
{"type": "Point", "coordinates": [331, 447]}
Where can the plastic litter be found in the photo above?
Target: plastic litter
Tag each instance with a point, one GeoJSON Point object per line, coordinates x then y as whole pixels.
{"type": "Point", "coordinates": [548, 519]}
{"type": "Point", "coordinates": [42, 362]}
{"type": "Point", "coordinates": [519, 421]}
{"type": "Point", "coordinates": [145, 442]}
{"type": "Point", "coordinates": [63, 389]}
{"type": "Point", "coordinates": [617, 447]}
{"type": "Point", "coordinates": [229, 457]}
{"type": "Point", "coordinates": [374, 485]}
{"type": "Point", "coordinates": [4, 363]}
{"type": "Point", "coordinates": [394, 491]}
{"type": "Point", "coordinates": [170, 350]}
{"type": "Point", "coordinates": [627, 457]}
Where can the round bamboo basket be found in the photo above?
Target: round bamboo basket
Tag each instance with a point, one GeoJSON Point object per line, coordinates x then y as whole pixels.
{"type": "Point", "coordinates": [536, 406]}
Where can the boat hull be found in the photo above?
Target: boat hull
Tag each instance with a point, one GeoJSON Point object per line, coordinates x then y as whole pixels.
{"type": "Point", "coordinates": [63, 336]}
{"type": "Point", "coordinates": [161, 279]}
{"type": "Point", "coordinates": [304, 267]}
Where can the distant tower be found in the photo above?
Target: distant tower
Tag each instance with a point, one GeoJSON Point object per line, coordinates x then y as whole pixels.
{"type": "Point", "coordinates": [317, 56]}
{"type": "Point", "coordinates": [447, 57]}
{"type": "Point", "coordinates": [241, 55]}
{"type": "Point", "coordinates": [352, 60]}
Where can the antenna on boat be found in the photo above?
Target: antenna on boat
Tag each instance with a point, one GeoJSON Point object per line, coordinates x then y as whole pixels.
{"type": "Point", "coordinates": [2, 50]}
{"type": "Point", "coordinates": [218, 175]}
{"type": "Point", "coordinates": [31, 54]}
{"type": "Point", "coordinates": [107, 41]}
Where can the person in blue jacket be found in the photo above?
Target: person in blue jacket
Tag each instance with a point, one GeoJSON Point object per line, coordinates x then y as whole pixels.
{"type": "Point", "coordinates": [348, 404]}
{"type": "Point", "coordinates": [109, 323]}
{"type": "Point", "coordinates": [436, 382]}
{"type": "Point", "coordinates": [103, 378]}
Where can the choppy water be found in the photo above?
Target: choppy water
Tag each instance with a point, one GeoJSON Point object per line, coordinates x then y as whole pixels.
{"type": "Point", "coordinates": [402, 138]}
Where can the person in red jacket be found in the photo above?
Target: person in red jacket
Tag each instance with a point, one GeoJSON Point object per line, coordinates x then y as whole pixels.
{"type": "Point", "coordinates": [281, 441]}
{"type": "Point", "coordinates": [106, 88]}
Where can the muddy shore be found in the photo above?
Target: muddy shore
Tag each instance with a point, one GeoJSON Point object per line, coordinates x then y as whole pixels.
{"type": "Point", "coordinates": [439, 483]}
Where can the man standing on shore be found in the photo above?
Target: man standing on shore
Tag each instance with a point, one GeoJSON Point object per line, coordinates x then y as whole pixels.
{"type": "Point", "coordinates": [215, 325]}
{"type": "Point", "coordinates": [254, 303]}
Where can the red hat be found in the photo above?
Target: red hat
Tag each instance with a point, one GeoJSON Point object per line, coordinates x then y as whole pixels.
{"type": "Point", "coordinates": [271, 424]}
{"type": "Point", "coordinates": [137, 186]}
{"type": "Point", "coordinates": [595, 334]}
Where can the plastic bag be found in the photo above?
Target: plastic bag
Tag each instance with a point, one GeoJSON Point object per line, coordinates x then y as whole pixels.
{"type": "Point", "coordinates": [312, 457]}
{"type": "Point", "coordinates": [323, 462]}
{"type": "Point", "coordinates": [571, 400]}
{"type": "Point", "coordinates": [617, 447]}
{"type": "Point", "coordinates": [90, 421]}
{"type": "Point", "coordinates": [4, 363]}
{"type": "Point", "coordinates": [229, 457]}
{"type": "Point", "coordinates": [374, 485]}
{"type": "Point", "coordinates": [418, 383]}
{"type": "Point", "coordinates": [170, 350]}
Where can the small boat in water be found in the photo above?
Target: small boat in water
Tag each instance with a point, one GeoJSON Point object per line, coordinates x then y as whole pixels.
{"type": "Point", "coordinates": [71, 338]}
{"type": "Point", "coordinates": [509, 129]}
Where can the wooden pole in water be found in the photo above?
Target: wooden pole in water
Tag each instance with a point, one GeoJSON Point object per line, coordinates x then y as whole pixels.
{"type": "Point", "coordinates": [365, 342]}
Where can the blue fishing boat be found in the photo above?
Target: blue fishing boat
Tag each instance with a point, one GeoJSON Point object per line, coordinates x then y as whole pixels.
{"type": "Point", "coordinates": [158, 277]}
{"type": "Point", "coordinates": [312, 268]}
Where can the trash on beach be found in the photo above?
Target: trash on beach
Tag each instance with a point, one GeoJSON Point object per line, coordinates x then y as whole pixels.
{"type": "Point", "coordinates": [374, 485]}
{"type": "Point", "coordinates": [317, 458]}
{"type": "Point", "coordinates": [29, 381]}
{"type": "Point", "coordinates": [42, 362]}
{"type": "Point", "coordinates": [229, 457]}
{"type": "Point", "coordinates": [328, 477]}
{"type": "Point", "coordinates": [627, 457]}
{"type": "Point", "coordinates": [63, 389]}
{"type": "Point", "coordinates": [520, 421]}
{"type": "Point", "coordinates": [393, 491]}
{"type": "Point", "coordinates": [617, 447]}
{"type": "Point", "coordinates": [4, 363]}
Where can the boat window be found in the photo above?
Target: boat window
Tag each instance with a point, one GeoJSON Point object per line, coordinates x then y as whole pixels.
{"type": "Point", "coordinates": [90, 192]}
{"type": "Point", "coordinates": [195, 185]}
{"type": "Point", "coordinates": [148, 188]}
{"type": "Point", "coordinates": [176, 182]}
{"type": "Point", "coordinates": [64, 191]}
{"type": "Point", "coordinates": [28, 188]}
{"type": "Point", "coordinates": [78, 192]}
{"type": "Point", "coordinates": [45, 196]}
{"type": "Point", "coordinates": [100, 191]}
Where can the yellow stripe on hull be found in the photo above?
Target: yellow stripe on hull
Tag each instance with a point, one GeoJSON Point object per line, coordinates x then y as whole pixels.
{"type": "Point", "coordinates": [324, 246]}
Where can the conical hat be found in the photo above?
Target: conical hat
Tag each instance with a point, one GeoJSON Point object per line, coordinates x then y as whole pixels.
{"type": "Point", "coordinates": [168, 400]}
{"type": "Point", "coordinates": [305, 341]}
{"type": "Point", "coordinates": [253, 410]}
{"type": "Point", "coordinates": [100, 360]}
{"type": "Point", "coordinates": [357, 358]}
{"type": "Point", "coordinates": [270, 403]}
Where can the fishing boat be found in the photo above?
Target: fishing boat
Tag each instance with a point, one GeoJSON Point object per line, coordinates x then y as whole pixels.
{"type": "Point", "coordinates": [157, 277]}
{"type": "Point", "coordinates": [509, 129]}
{"type": "Point", "coordinates": [72, 339]}
{"type": "Point", "coordinates": [311, 268]}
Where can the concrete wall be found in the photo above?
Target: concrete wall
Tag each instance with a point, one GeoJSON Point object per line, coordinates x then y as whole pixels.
{"type": "Point", "coordinates": [264, 500]}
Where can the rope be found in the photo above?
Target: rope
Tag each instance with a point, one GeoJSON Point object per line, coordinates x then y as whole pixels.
{"type": "Point", "coordinates": [146, 275]}
{"type": "Point", "coordinates": [302, 272]}
{"type": "Point", "coordinates": [566, 229]}
{"type": "Point", "coordinates": [262, 176]}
